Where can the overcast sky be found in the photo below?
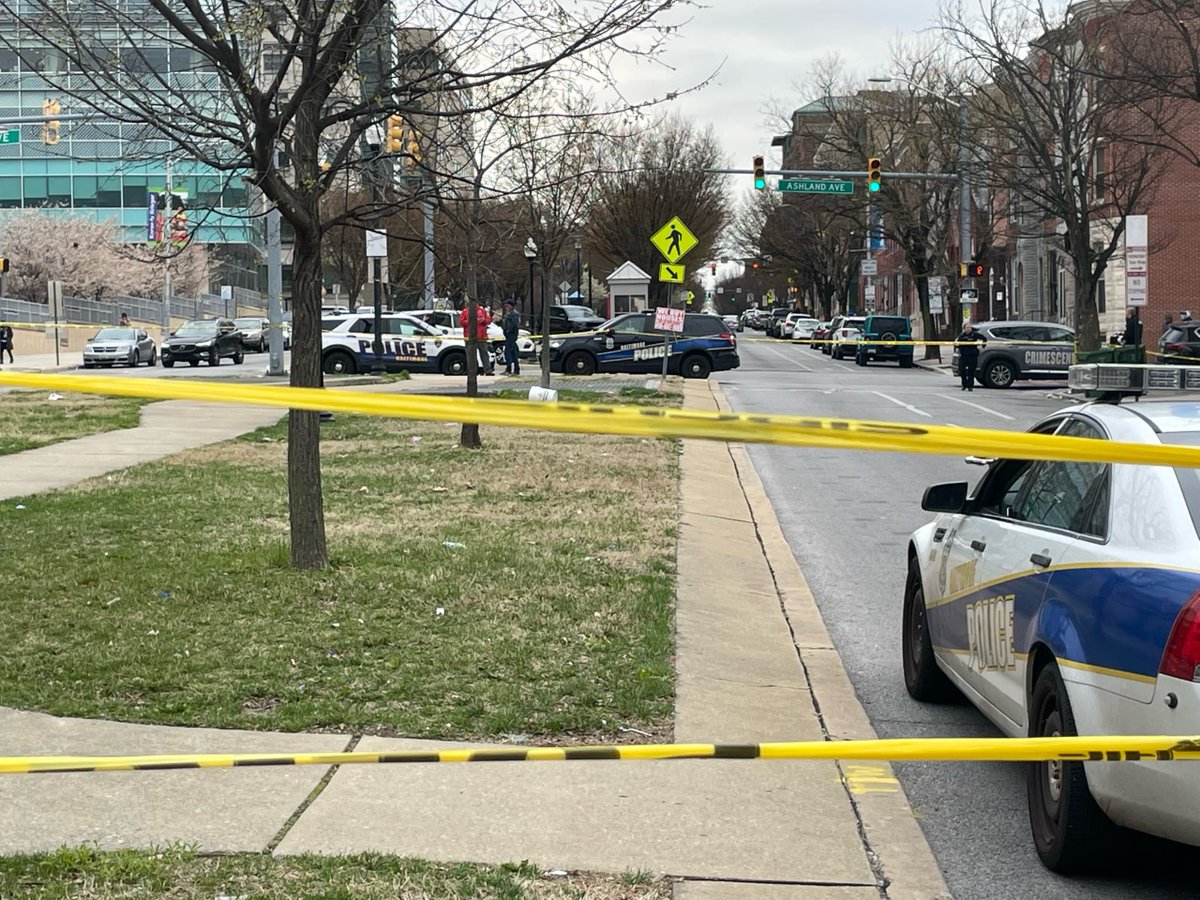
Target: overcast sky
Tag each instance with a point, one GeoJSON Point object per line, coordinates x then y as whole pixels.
{"type": "Point", "coordinates": [767, 46]}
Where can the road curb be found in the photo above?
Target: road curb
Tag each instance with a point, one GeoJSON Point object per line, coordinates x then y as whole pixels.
{"type": "Point", "coordinates": [893, 838]}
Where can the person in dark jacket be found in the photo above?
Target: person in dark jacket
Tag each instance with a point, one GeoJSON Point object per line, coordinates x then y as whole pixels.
{"type": "Point", "coordinates": [511, 324]}
{"type": "Point", "coordinates": [1133, 328]}
{"type": "Point", "coordinates": [6, 342]}
{"type": "Point", "coordinates": [970, 342]}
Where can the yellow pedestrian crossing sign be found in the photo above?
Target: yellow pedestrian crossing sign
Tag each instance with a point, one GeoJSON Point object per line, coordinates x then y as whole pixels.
{"type": "Point", "coordinates": [670, 274]}
{"type": "Point", "coordinates": [691, 295]}
{"type": "Point", "coordinates": [673, 240]}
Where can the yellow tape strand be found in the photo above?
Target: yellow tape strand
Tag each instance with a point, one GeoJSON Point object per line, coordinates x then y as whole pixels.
{"type": "Point", "coordinates": [846, 434]}
{"type": "Point", "coordinates": [1086, 749]}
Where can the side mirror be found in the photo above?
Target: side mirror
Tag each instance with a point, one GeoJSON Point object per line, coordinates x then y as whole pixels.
{"type": "Point", "coordinates": [948, 498]}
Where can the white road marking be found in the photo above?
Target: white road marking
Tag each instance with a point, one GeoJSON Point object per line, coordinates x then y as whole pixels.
{"type": "Point", "coordinates": [990, 412]}
{"type": "Point", "coordinates": [908, 406]}
{"type": "Point", "coordinates": [801, 366]}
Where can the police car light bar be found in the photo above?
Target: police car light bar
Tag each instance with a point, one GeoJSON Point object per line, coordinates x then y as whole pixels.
{"type": "Point", "coordinates": [1133, 379]}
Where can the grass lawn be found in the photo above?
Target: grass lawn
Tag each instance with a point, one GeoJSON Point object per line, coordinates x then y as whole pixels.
{"type": "Point", "coordinates": [85, 874]}
{"type": "Point", "coordinates": [31, 420]}
{"type": "Point", "coordinates": [522, 590]}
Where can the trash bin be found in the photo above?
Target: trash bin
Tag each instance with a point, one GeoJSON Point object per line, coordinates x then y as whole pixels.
{"type": "Point", "coordinates": [1130, 356]}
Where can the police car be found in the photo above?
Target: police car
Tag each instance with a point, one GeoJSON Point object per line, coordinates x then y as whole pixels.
{"type": "Point", "coordinates": [410, 344]}
{"type": "Point", "coordinates": [1020, 350]}
{"type": "Point", "coordinates": [447, 322]}
{"type": "Point", "coordinates": [1063, 598]}
{"type": "Point", "coordinates": [629, 343]}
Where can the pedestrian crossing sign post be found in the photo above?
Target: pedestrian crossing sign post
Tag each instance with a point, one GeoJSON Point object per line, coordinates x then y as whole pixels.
{"type": "Point", "coordinates": [673, 240]}
{"type": "Point", "coordinates": [670, 274]}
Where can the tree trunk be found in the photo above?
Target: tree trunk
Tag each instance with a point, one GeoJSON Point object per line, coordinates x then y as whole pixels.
{"type": "Point", "coordinates": [1087, 317]}
{"type": "Point", "coordinates": [305, 507]}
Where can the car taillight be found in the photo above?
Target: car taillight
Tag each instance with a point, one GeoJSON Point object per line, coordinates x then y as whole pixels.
{"type": "Point", "coordinates": [1173, 348]}
{"type": "Point", "coordinates": [727, 336]}
{"type": "Point", "coordinates": [1181, 659]}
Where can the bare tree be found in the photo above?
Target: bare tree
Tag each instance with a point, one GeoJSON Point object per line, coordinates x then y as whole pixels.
{"type": "Point", "coordinates": [317, 79]}
{"type": "Point", "coordinates": [1032, 75]}
{"type": "Point", "coordinates": [654, 175]}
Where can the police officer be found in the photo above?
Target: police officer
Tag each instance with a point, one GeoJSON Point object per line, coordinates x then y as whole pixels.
{"type": "Point", "coordinates": [1133, 328]}
{"type": "Point", "coordinates": [969, 344]}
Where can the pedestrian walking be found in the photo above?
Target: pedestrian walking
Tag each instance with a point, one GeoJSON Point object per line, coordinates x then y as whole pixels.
{"type": "Point", "coordinates": [6, 342]}
{"type": "Point", "coordinates": [511, 323]}
{"type": "Point", "coordinates": [483, 319]}
{"type": "Point", "coordinates": [969, 344]}
{"type": "Point", "coordinates": [1133, 328]}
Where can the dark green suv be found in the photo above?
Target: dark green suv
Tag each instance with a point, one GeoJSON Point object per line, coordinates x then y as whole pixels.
{"type": "Point", "coordinates": [896, 334]}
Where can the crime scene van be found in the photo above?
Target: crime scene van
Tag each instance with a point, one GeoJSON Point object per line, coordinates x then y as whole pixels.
{"type": "Point", "coordinates": [409, 344]}
{"type": "Point", "coordinates": [629, 343]}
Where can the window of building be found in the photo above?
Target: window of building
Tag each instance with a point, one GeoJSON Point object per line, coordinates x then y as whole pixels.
{"type": "Point", "coordinates": [144, 60]}
{"type": "Point", "coordinates": [1101, 299]}
{"type": "Point", "coordinates": [134, 191]}
{"type": "Point", "coordinates": [10, 192]}
{"type": "Point", "coordinates": [1099, 173]}
{"type": "Point", "coordinates": [234, 196]}
{"type": "Point", "coordinates": [8, 60]}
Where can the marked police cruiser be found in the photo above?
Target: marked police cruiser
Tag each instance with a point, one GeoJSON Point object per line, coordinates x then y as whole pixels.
{"type": "Point", "coordinates": [629, 343]}
{"type": "Point", "coordinates": [347, 343]}
{"type": "Point", "coordinates": [446, 321]}
{"type": "Point", "coordinates": [1020, 350]}
{"type": "Point", "coordinates": [1063, 598]}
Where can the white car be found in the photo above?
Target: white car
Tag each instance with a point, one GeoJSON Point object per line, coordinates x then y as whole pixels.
{"type": "Point", "coordinates": [803, 328]}
{"type": "Point", "coordinates": [844, 341]}
{"type": "Point", "coordinates": [1063, 598]}
{"type": "Point", "coordinates": [446, 321]}
{"type": "Point", "coordinates": [408, 343]}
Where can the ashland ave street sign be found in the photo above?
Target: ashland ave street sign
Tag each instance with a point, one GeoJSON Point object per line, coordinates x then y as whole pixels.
{"type": "Point", "coordinates": [10, 136]}
{"type": "Point", "coordinates": [815, 186]}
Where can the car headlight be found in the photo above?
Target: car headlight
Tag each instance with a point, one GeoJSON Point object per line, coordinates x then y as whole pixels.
{"type": "Point", "coordinates": [204, 344]}
{"type": "Point", "coordinates": [554, 345]}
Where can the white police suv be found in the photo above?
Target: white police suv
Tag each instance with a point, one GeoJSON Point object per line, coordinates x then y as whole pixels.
{"type": "Point", "coordinates": [408, 343]}
{"type": "Point", "coordinates": [1063, 598]}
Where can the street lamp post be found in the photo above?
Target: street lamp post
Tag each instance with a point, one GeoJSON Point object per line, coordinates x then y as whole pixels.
{"type": "Point", "coordinates": [578, 270]}
{"type": "Point", "coordinates": [531, 252]}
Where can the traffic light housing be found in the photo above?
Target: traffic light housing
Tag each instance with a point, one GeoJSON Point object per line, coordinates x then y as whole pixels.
{"type": "Point", "coordinates": [760, 175]}
{"type": "Point", "coordinates": [3, 264]}
{"type": "Point", "coordinates": [412, 147]}
{"type": "Point", "coordinates": [874, 174]}
{"type": "Point", "coordinates": [178, 232]}
{"type": "Point", "coordinates": [973, 269]}
{"type": "Point", "coordinates": [395, 134]}
{"type": "Point", "coordinates": [50, 129]}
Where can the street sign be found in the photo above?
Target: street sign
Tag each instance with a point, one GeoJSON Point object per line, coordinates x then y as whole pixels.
{"type": "Point", "coordinates": [815, 186]}
{"type": "Point", "coordinates": [376, 244]}
{"type": "Point", "coordinates": [564, 286]}
{"type": "Point", "coordinates": [968, 295]}
{"type": "Point", "coordinates": [870, 267]}
{"type": "Point", "coordinates": [691, 295]}
{"type": "Point", "coordinates": [667, 319]}
{"type": "Point", "coordinates": [10, 136]}
{"type": "Point", "coordinates": [1137, 260]}
{"type": "Point", "coordinates": [673, 240]}
{"type": "Point", "coordinates": [935, 295]}
{"type": "Point", "coordinates": [869, 292]}
{"type": "Point", "coordinates": [670, 274]}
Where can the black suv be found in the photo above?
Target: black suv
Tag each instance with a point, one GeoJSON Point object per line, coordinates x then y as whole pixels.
{"type": "Point", "coordinates": [775, 320]}
{"type": "Point", "coordinates": [203, 340]}
{"type": "Point", "coordinates": [1180, 344]}
{"type": "Point", "coordinates": [886, 329]}
{"type": "Point", "coordinates": [629, 343]}
{"type": "Point", "coordinates": [565, 319]}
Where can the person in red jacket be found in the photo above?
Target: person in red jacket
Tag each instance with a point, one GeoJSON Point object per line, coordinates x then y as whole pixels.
{"type": "Point", "coordinates": [483, 319]}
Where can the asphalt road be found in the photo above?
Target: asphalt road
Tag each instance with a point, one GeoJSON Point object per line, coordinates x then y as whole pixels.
{"type": "Point", "coordinates": [847, 517]}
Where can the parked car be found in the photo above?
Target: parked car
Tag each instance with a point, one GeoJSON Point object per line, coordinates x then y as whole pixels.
{"type": "Point", "coordinates": [1063, 598]}
{"type": "Point", "coordinates": [254, 331]}
{"type": "Point", "coordinates": [788, 324]}
{"type": "Point", "coordinates": [845, 336]}
{"type": "Point", "coordinates": [886, 328]}
{"type": "Point", "coordinates": [568, 318]}
{"type": "Point", "coordinates": [348, 345]}
{"type": "Point", "coordinates": [1021, 350]}
{"type": "Point", "coordinates": [803, 328]}
{"type": "Point", "coordinates": [734, 323]}
{"type": "Point", "coordinates": [752, 317]}
{"type": "Point", "coordinates": [629, 343]}
{"type": "Point", "coordinates": [820, 333]}
{"type": "Point", "coordinates": [113, 346]}
{"type": "Point", "coordinates": [446, 321]}
{"type": "Point", "coordinates": [203, 340]}
{"type": "Point", "coordinates": [1180, 344]}
{"type": "Point", "coordinates": [775, 319]}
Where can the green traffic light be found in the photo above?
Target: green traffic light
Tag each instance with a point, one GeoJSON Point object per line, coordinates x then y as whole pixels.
{"type": "Point", "coordinates": [873, 185]}
{"type": "Point", "coordinates": [760, 183]}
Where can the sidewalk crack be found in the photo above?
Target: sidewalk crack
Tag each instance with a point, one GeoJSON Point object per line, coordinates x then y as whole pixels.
{"type": "Point", "coordinates": [310, 799]}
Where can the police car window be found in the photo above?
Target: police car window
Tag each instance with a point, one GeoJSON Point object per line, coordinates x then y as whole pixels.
{"type": "Point", "coordinates": [1189, 479]}
{"type": "Point", "coordinates": [403, 327]}
{"type": "Point", "coordinates": [630, 325]}
{"type": "Point", "coordinates": [702, 325]}
{"type": "Point", "coordinates": [361, 326]}
{"type": "Point", "coordinates": [1002, 334]}
{"type": "Point", "coordinates": [1063, 335]}
{"type": "Point", "coordinates": [1029, 333]}
{"type": "Point", "coordinates": [1064, 494]}
{"type": "Point", "coordinates": [999, 489]}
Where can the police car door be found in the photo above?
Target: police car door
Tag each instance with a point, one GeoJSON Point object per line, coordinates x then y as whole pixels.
{"type": "Point", "coordinates": [975, 579]}
{"type": "Point", "coordinates": [628, 346]}
{"type": "Point", "coordinates": [414, 344]}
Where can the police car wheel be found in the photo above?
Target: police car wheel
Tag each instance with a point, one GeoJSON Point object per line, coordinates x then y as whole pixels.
{"type": "Point", "coordinates": [922, 678]}
{"type": "Point", "coordinates": [1070, 832]}
{"type": "Point", "coordinates": [580, 363]}
{"type": "Point", "coordinates": [696, 366]}
{"type": "Point", "coordinates": [339, 362]}
{"type": "Point", "coordinates": [999, 374]}
{"type": "Point", "coordinates": [455, 363]}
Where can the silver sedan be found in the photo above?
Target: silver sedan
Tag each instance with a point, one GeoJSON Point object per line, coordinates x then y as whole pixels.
{"type": "Point", "coordinates": [120, 346]}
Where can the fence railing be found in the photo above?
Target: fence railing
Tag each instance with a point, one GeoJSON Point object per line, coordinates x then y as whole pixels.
{"type": "Point", "coordinates": [86, 311]}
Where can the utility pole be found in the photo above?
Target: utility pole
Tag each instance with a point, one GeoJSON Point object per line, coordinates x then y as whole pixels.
{"type": "Point", "coordinates": [427, 212]}
{"type": "Point", "coordinates": [964, 189]}
{"type": "Point", "coordinates": [167, 262]}
{"type": "Point", "coordinates": [274, 288]}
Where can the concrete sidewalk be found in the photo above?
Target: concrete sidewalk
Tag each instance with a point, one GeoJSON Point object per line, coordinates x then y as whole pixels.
{"type": "Point", "coordinates": [754, 663]}
{"type": "Point", "coordinates": [43, 362]}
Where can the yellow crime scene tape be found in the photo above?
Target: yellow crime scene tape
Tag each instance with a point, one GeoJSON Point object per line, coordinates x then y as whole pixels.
{"type": "Point", "coordinates": [51, 324]}
{"type": "Point", "coordinates": [638, 421]}
{"type": "Point", "coordinates": [1125, 748]}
